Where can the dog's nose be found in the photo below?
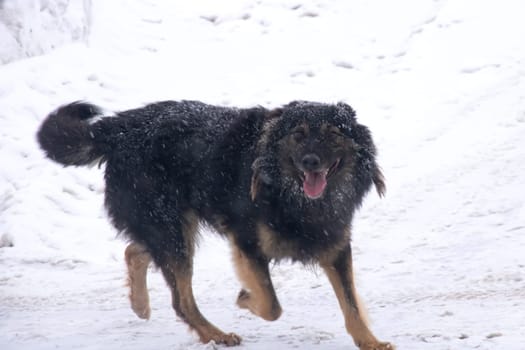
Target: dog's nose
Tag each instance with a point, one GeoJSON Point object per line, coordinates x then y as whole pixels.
{"type": "Point", "coordinates": [311, 162]}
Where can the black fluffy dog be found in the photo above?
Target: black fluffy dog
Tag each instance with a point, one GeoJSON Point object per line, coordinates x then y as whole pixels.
{"type": "Point", "coordinates": [279, 184]}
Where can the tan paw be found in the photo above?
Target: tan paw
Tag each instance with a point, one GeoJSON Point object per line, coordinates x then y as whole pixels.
{"type": "Point", "coordinates": [376, 346]}
{"type": "Point", "coordinates": [243, 300]}
{"type": "Point", "coordinates": [263, 308]}
{"type": "Point", "coordinates": [228, 339]}
{"type": "Point", "coordinates": [139, 298]}
{"type": "Point", "coordinates": [141, 308]}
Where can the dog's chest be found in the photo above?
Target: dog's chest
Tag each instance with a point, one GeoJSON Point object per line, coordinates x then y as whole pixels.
{"type": "Point", "coordinates": [303, 246]}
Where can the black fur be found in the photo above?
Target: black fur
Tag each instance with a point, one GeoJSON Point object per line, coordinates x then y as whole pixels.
{"type": "Point", "coordinates": [236, 169]}
{"type": "Point", "coordinates": [170, 157]}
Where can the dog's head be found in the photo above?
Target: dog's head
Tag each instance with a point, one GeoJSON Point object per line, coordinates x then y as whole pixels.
{"type": "Point", "coordinates": [317, 148]}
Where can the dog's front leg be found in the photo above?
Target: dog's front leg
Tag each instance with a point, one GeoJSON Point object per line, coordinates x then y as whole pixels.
{"type": "Point", "coordinates": [258, 294]}
{"type": "Point", "coordinates": [339, 272]}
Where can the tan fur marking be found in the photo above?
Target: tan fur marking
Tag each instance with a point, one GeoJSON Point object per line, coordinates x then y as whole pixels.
{"type": "Point", "coordinates": [327, 128]}
{"type": "Point", "coordinates": [354, 319]}
{"type": "Point", "coordinates": [137, 260]}
{"type": "Point", "coordinates": [258, 294]}
{"type": "Point", "coordinates": [190, 230]}
{"type": "Point", "coordinates": [179, 276]}
{"type": "Point", "coordinates": [329, 255]}
{"type": "Point", "coordinates": [272, 246]}
{"type": "Point", "coordinates": [178, 272]}
{"type": "Point", "coordinates": [277, 248]}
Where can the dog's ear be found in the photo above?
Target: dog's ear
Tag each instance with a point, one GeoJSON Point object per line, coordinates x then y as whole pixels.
{"type": "Point", "coordinates": [346, 110]}
{"type": "Point", "coordinates": [379, 181]}
{"type": "Point", "coordinates": [274, 113]}
{"type": "Point", "coordinates": [260, 177]}
{"type": "Point", "coordinates": [367, 153]}
{"type": "Point", "coordinates": [346, 117]}
{"type": "Point", "coordinates": [256, 183]}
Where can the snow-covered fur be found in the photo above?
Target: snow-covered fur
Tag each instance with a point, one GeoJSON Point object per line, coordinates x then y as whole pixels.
{"type": "Point", "coordinates": [279, 184]}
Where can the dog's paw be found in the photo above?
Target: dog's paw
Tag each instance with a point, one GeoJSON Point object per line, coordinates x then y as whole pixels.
{"type": "Point", "coordinates": [141, 309]}
{"type": "Point", "coordinates": [228, 339]}
{"type": "Point", "coordinates": [376, 346]}
{"type": "Point", "coordinates": [268, 310]}
{"type": "Point", "coordinates": [243, 299]}
{"type": "Point", "coordinates": [139, 299]}
{"type": "Point", "coordinates": [231, 339]}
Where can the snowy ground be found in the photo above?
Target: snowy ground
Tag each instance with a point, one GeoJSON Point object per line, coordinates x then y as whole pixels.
{"type": "Point", "coordinates": [440, 261]}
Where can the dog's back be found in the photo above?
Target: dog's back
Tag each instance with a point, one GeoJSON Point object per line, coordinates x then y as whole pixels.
{"type": "Point", "coordinates": [75, 134]}
{"type": "Point", "coordinates": [163, 161]}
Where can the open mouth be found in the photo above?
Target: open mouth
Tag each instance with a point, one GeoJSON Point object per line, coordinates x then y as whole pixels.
{"type": "Point", "coordinates": [314, 182]}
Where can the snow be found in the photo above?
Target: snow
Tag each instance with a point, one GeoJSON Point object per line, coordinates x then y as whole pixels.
{"type": "Point", "coordinates": [33, 27]}
{"type": "Point", "coordinates": [441, 84]}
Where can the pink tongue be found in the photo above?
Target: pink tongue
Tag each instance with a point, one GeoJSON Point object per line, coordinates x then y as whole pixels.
{"type": "Point", "coordinates": [314, 184]}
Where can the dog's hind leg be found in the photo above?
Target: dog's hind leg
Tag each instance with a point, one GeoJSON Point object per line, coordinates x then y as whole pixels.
{"type": "Point", "coordinates": [137, 260]}
{"type": "Point", "coordinates": [339, 272]}
{"type": "Point", "coordinates": [258, 294]}
{"type": "Point", "coordinates": [176, 264]}
{"type": "Point", "coordinates": [178, 275]}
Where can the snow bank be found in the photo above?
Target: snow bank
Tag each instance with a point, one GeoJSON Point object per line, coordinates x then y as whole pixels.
{"type": "Point", "coordinates": [34, 27]}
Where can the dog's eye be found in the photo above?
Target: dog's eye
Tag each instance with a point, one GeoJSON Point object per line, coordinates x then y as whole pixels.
{"type": "Point", "coordinates": [298, 135]}
{"type": "Point", "coordinates": [336, 133]}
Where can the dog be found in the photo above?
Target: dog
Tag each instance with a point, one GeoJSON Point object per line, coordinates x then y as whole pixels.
{"type": "Point", "coordinates": [279, 183]}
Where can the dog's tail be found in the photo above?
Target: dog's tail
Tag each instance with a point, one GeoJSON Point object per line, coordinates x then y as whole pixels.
{"type": "Point", "coordinates": [69, 135]}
